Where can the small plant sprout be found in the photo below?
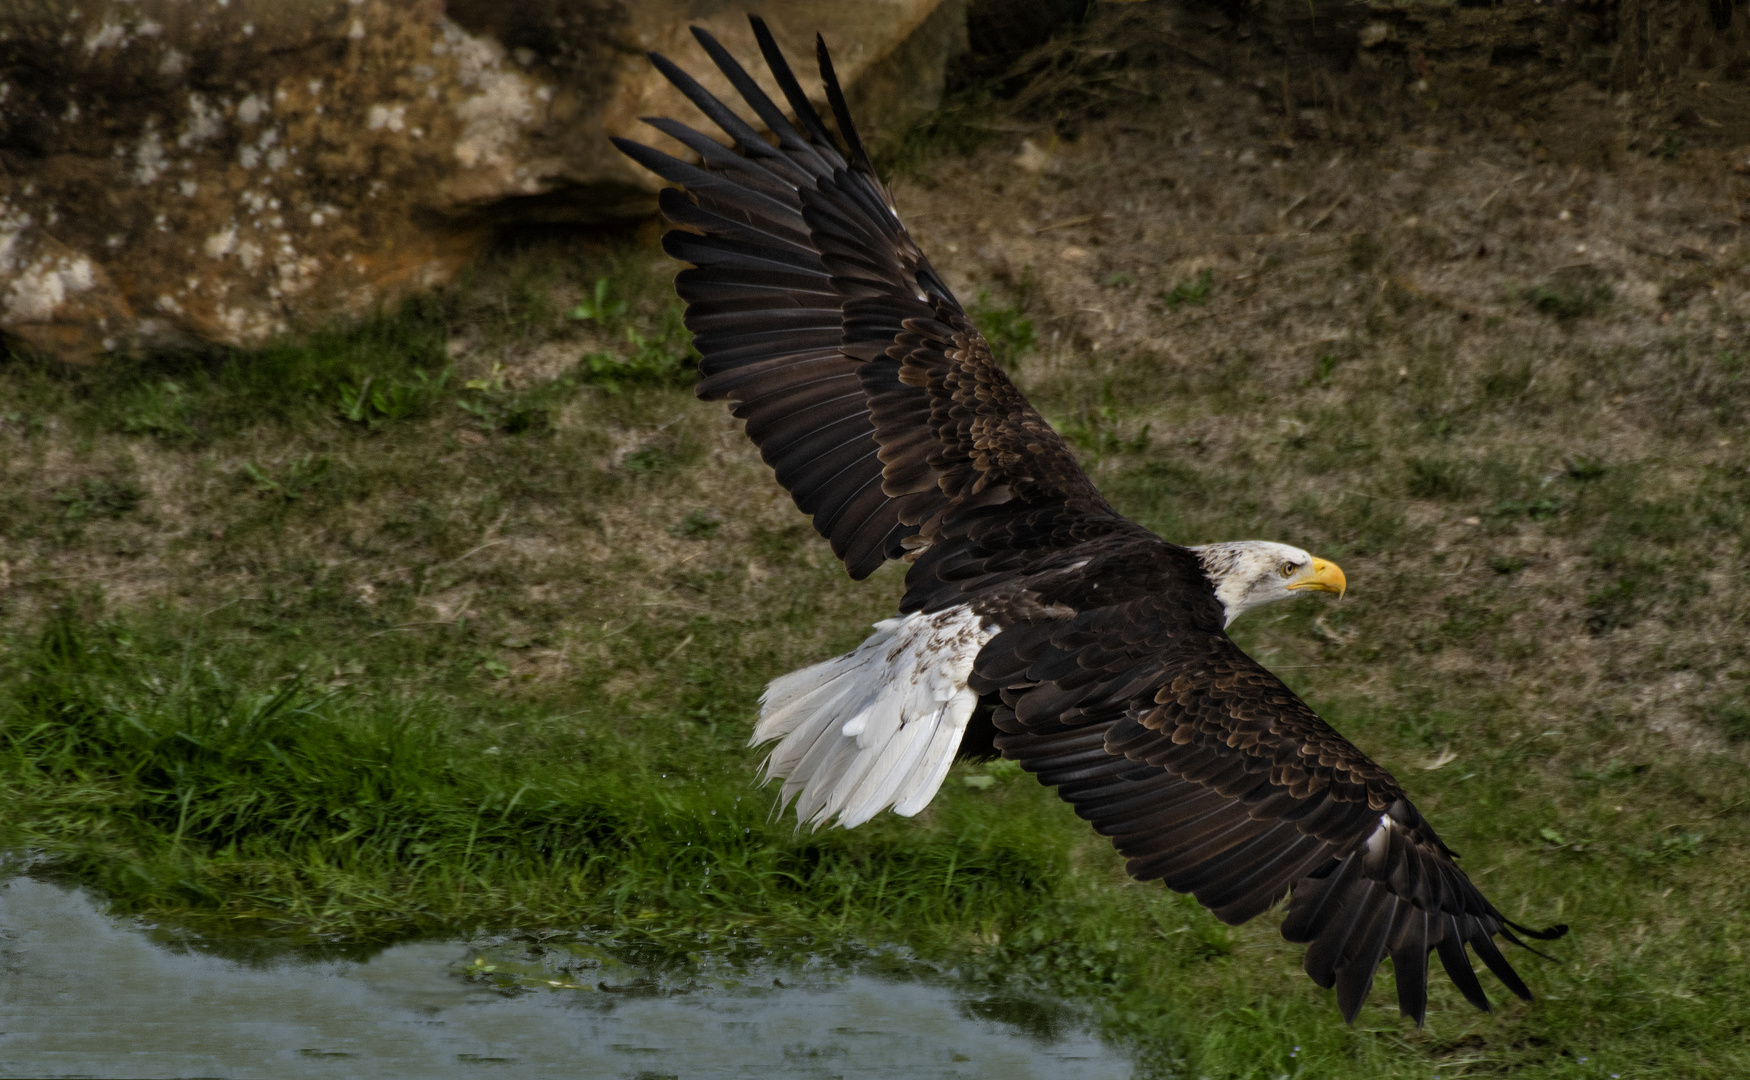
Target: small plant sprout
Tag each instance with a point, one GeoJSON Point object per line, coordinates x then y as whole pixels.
{"type": "Point", "coordinates": [494, 381]}
{"type": "Point", "coordinates": [372, 400]}
{"type": "Point", "coordinates": [1190, 291]}
{"type": "Point", "coordinates": [698, 525]}
{"type": "Point", "coordinates": [598, 308]}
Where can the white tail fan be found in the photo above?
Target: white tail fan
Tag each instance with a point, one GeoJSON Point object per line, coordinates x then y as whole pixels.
{"type": "Point", "coordinates": [878, 726]}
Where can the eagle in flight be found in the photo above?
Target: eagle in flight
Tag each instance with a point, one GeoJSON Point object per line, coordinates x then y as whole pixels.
{"type": "Point", "coordinates": [1098, 650]}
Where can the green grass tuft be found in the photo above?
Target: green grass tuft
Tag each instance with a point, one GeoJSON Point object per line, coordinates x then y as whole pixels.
{"type": "Point", "coordinates": [1190, 291]}
{"type": "Point", "coordinates": [175, 786]}
{"type": "Point", "coordinates": [1007, 329]}
{"type": "Point", "coordinates": [1567, 301]}
{"type": "Point", "coordinates": [382, 368]}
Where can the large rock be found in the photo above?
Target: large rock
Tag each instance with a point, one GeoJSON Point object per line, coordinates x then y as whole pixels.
{"type": "Point", "coordinates": [223, 170]}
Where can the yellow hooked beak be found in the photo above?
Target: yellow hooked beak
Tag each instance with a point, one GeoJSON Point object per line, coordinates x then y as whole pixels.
{"type": "Point", "coordinates": [1323, 576]}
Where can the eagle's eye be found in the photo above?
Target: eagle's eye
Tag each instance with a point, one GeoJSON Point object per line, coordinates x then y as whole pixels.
{"type": "Point", "coordinates": [1289, 568]}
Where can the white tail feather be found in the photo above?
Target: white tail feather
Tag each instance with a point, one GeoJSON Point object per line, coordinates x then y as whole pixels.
{"type": "Point", "coordinates": [878, 726]}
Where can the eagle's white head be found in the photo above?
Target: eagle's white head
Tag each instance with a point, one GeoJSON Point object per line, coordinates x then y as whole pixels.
{"type": "Point", "coordinates": [1251, 573]}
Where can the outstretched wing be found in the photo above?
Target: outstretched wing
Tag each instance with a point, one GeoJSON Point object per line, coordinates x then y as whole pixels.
{"type": "Point", "coordinates": [1211, 775]}
{"type": "Point", "coordinates": [878, 405]}
{"type": "Point", "coordinates": [866, 387]}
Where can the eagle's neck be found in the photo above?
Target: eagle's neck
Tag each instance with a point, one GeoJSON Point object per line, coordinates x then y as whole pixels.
{"type": "Point", "coordinates": [1242, 574]}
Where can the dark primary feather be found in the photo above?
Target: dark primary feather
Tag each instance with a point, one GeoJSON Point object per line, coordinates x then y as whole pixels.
{"type": "Point", "coordinates": [879, 407]}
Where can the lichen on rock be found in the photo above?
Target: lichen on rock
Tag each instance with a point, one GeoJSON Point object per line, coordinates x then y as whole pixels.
{"type": "Point", "coordinates": [221, 171]}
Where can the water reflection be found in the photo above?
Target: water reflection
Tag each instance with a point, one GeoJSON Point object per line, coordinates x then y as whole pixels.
{"type": "Point", "coordinates": [85, 995]}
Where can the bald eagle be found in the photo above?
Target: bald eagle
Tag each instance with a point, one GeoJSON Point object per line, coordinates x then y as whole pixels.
{"type": "Point", "coordinates": [1100, 648]}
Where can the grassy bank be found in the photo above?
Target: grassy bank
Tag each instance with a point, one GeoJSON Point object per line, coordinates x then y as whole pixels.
{"type": "Point", "coordinates": [156, 776]}
{"type": "Point", "coordinates": [274, 671]}
{"type": "Point", "coordinates": [456, 618]}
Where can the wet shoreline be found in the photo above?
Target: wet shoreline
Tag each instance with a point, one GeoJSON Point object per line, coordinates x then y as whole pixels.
{"type": "Point", "coordinates": [86, 994]}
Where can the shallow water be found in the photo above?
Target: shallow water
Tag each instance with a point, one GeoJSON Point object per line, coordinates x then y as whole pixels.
{"type": "Point", "coordinates": [82, 994]}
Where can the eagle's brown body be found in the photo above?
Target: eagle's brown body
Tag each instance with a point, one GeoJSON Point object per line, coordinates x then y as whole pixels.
{"type": "Point", "coordinates": [878, 405]}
